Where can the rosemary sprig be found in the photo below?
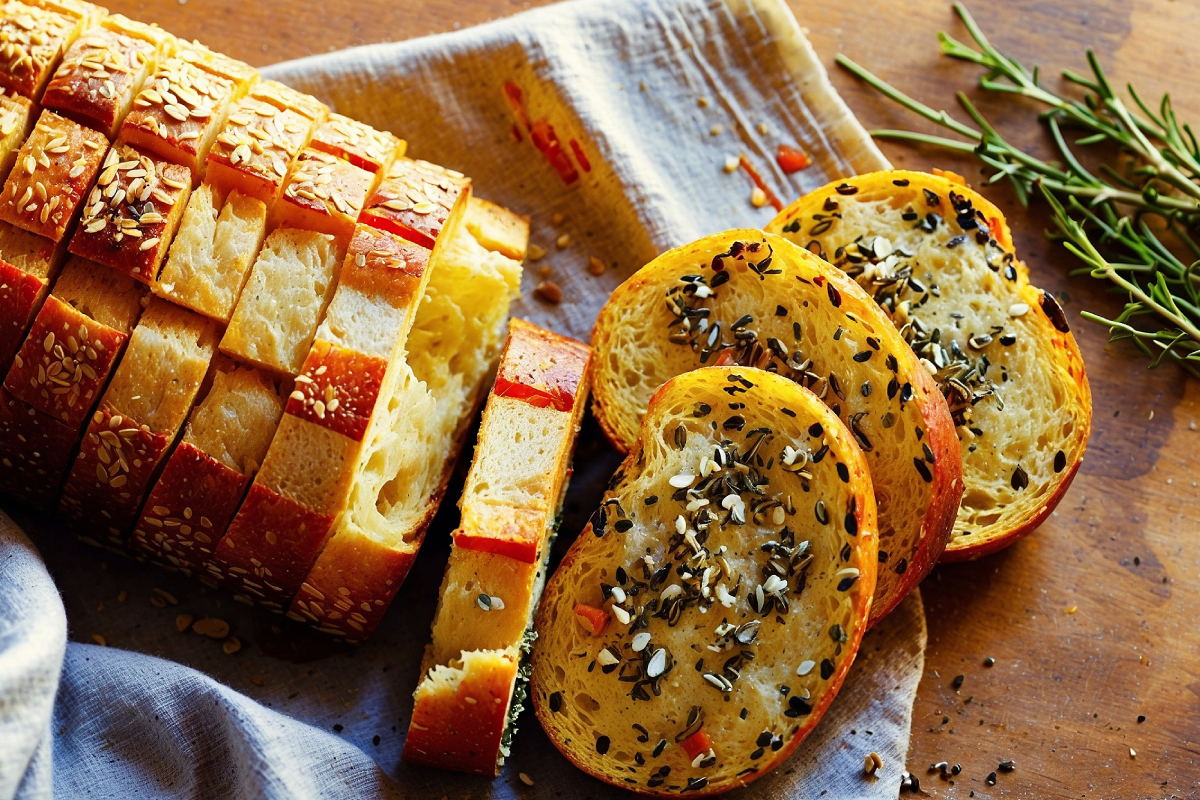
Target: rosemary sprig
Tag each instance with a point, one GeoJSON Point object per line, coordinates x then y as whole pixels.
{"type": "Point", "coordinates": [1126, 223]}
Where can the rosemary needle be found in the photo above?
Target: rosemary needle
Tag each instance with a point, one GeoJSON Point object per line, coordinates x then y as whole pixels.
{"type": "Point", "coordinates": [1126, 223]}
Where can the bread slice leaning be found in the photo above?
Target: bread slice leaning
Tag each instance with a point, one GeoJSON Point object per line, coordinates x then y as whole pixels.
{"type": "Point", "coordinates": [473, 673]}
{"type": "Point", "coordinates": [747, 298]}
{"type": "Point", "coordinates": [704, 620]}
{"type": "Point", "coordinates": [938, 257]}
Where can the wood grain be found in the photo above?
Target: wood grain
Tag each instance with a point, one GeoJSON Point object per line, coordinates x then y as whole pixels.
{"type": "Point", "coordinates": [1092, 620]}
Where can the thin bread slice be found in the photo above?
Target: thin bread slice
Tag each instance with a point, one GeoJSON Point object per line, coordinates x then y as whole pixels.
{"type": "Point", "coordinates": [719, 594]}
{"type": "Point", "coordinates": [498, 565]}
{"type": "Point", "coordinates": [17, 117]}
{"type": "Point", "coordinates": [132, 212]}
{"type": "Point", "coordinates": [36, 38]}
{"type": "Point", "coordinates": [746, 298]}
{"type": "Point", "coordinates": [29, 264]}
{"type": "Point", "coordinates": [210, 257]}
{"type": "Point", "coordinates": [408, 456]}
{"type": "Point", "coordinates": [206, 477]}
{"type": "Point", "coordinates": [75, 341]}
{"type": "Point", "coordinates": [61, 369]}
{"type": "Point", "coordinates": [324, 193]}
{"type": "Point", "coordinates": [358, 143]}
{"type": "Point", "coordinates": [134, 427]}
{"type": "Point", "coordinates": [255, 149]}
{"type": "Point", "coordinates": [55, 168]}
{"type": "Point", "coordinates": [317, 452]}
{"type": "Point", "coordinates": [290, 285]}
{"type": "Point", "coordinates": [939, 259]}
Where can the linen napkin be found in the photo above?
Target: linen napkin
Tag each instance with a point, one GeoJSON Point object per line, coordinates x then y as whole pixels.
{"type": "Point", "coordinates": [647, 101]}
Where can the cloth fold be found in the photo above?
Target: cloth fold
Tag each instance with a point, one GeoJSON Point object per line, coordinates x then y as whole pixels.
{"type": "Point", "coordinates": [646, 100]}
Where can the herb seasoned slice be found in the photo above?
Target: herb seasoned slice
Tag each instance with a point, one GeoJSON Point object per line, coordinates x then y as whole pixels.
{"type": "Point", "coordinates": [939, 260]}
{"type": "Point", "coordinates": [691, 644]}
{"type": "Point", "coordinates": [752, 299]}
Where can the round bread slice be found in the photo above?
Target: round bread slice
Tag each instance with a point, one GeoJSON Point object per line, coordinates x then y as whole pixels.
{"type": "Point", "coordinates": [705, 618]}
{"type": "Point", "coordinates": [939, 259]}
{"type": "Point", "coordinates": [743, 297]}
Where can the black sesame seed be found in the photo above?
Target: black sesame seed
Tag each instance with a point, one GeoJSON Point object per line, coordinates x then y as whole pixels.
{"type": "Point", "coordinates": [901, 182]}
{"type": "Point", "coordinates": [826, 669]}
{"type": "Point", "coordinates": [788, 412]}
{"type": "Point", "coordinates": [902, 566]}
{"type": "Point", "coordinates": [1060, 461]}
{"type": "Point", "coordinates": [1141, 718]}
{"type": "Point", "coordinates": [991, 779]}
{"type": "Point", "coordinates": [556, 702]}
{"type": "Point", "coordinates": [1020, 480]}
{"type": "Point", "coordinates": [851, 525]}
{"type": "Point", "coordinates": [602, 745]}
{"type": "Point", "coordinates": [622, 525]}
{"type": "Point", "coordinates": [957, 683]}
{"type": "Point", "coordinates": [815, 429]}
{"type": "Point", "coordinates": [658, 748]}
{"type": "Point", "coordinates": [764, 739]}
{"type": "Point", "coordinates": [846, 189]}
{"type": "Point", "coordinates": [757, 754]}
{"type": "Point", "coordinates": [622, 576]}
{"type": "Point", "coordinates": [926, 475]}
{"type": "Point", "coordinates": [1008, 765]}
{"type": "Point", "coordinates": [989, 661]}
{"type": "Point", "coordinates": [835, 297]}
{"type": "Point", "coordinates": [843, 472]}
{"type": "Point", "coordinates": [734, 423]}
{"type": "Point", "coordinates": [695, 784]}
{"type": "Point", "coordinates": [864, 356]}
{"type": "Point", "coordinates": [931, 198]}
{"type": "Point", "coordinates": [651, 500]}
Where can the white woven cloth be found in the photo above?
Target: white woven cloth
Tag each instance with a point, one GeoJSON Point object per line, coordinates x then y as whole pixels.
{"type": "Point", "coordinates": [641, 86]}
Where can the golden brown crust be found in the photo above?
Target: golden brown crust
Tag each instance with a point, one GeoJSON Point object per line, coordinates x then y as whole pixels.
{"type": "Point", "coordinates": [99, 76]}
{"type": "Point", "coordinates": [415, 200]}
{"type": "Point", "coordinates": [132, 212]}
{"type": "Point", "coordinates": [255, 149]}
{"type": "Point", "coordinates": [179, 112]}
{"type": "Point", "coordinates": [17, 115]}
{"type": "Point", "coordinates": [358, 143]}
{"type": "Point", "coordinates": [32, 42]}
{"type": "Point", "coordinates": [323, 193]}
{"type": "Point", "coordinates": [35, 452]}
{"type": "Point", "coordinates": [54, 169]}
{"type": "Point", "coordinates": [285, 97]}
{"type": "Point", "coordinates": [21, 295]}
{"type": "Point", "coordinates": [239, 72]}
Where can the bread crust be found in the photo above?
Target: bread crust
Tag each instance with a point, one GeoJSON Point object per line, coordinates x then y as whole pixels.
{"type": "Point", "coordinates": [415, 200]}
{"type": "Point", "coordinates": [188, 510]}
{"type": "Point", "coordinates": [253, 152]}
{"type": "Point", "coordinates": [38, 37]}
{"type": "Point", "coordinates": [358, 143]}
{"type": "Point", "coordinates": [35, 452]}
{"type": "Point", "coordinates": [918, 478]}
{"type": "Point", "coordinates": [21, 296]}
{"type": "Point", "coordinates": [586, 706]}
{"type": "Point", "coordinates": [55, 167]}
{"type": "Point", "coordinates": [974, 230]}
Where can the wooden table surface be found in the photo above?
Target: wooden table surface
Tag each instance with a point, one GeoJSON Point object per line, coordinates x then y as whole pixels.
{"type": "Point", "coordinates": [1092, 621]}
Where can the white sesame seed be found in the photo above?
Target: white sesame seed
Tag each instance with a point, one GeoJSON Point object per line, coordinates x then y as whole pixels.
{"type": "Point", "coordinates": [640, 640]}
{"type": "Point", "coordinates": [682, 480]}
{"type": "Point", "coordinates": [1018, 309]}
{"type": "Point", "coordinates": [605, 658]}
{"type": "Point", "coordinates": [658, 663]}
{"type": "Point", "coordinates": [805, 668]}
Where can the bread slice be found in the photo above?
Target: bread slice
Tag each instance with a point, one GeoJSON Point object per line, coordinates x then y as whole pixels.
{"type": "Point", "coordinates": [17, 116]}
{"type": "Point", "coordinates": [75, 341]}
{"type": "Point", "coordinates": [284, 97]}
{"type": "Point", "coordinates": [498, 565]}
{"type": "Point", "coordinates": [323, 193]}
{"type": "Point", "coordinates": [219, 64]}
{"type": "Point", "coordinates": [61, 369]}
{"type": "Point", "coordinates": [415, 200]}
{"type": "Point", "coordinates": [205, 479]}
{"type": "Point", "coordinates": [746, 298]}
{"type": "Point", "coordinates": [55, 167]}
{"type": "Point", "coordinates": [290, 285]}
{"type": "Point", "coordinates": [132, 212]}
{"type": "Point", "coordinates": [704, 620]}
{"type": "Point", "coordinates": [210, 256]}
{"type": "Point", "coordinates": [253, 152]}
{"type": "Point", "coordinates": [358, 143]}
{"type": "Point", "coordinates": [29, 264]}
{"type": "Point", "coordinates": [939, 259]}
{"type": "Point", "coordinates": [340, 393]}
{"type": "Point", "coordinates": [179, 112]}
{"type": "Point", "coordinates": [102, 71]}
{"type": "Point", "coordinates": [137, 421]}
{"type": "Point", "coordinates": [38, 37]}
{"type": "Point", "coordinates": [409, 453]}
